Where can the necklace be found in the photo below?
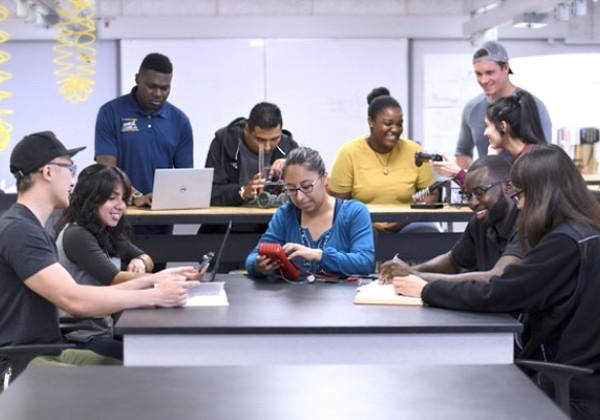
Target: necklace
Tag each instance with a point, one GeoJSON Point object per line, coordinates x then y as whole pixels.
{"type": "Point", "coordinates": [384, 165]}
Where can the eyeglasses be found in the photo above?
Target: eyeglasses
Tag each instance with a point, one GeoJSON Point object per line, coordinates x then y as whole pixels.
{"type": "Point", "coordinates": [516, 195]}
{"type": "Point", "coordinates": [479, 191]}
{"type": "Point", "coordinates": [70, 166]}
{"type": "Point", "coordinates": [306, 189]}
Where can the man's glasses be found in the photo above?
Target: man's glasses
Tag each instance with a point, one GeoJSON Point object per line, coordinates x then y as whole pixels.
{"type": "Point", "coordinates": [516, 195]}
{"type": "Point", "coordinates": [479, 191]}
{"type": "Point", "coordinates": [306, 188]}
{"type": "Point", "coordinates": [70, 166]}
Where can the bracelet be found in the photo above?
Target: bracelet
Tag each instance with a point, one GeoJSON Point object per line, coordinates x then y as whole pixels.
{"type": "Point", "coordinates": [143, 262]}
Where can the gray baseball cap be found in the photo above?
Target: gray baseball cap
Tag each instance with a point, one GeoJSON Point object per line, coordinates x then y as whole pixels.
{"type": "Point", "coordinates": [491, 51]}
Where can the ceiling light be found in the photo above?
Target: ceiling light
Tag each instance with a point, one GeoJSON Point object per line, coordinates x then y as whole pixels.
{"type": "Point", "coordinates": [530, 20]}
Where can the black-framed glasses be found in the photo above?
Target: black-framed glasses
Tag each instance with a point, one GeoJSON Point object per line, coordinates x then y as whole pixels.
{"type": "Point", "coordinates": [70, 166]}
{"type": "Point", "coordinates": [516, 195]}
{"type": "Point", "coordinates": [479, 191]}
{"type": "Point", "coordinates": [306, 188]}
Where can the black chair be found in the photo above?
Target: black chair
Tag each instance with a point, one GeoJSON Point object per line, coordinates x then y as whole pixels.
{"type": "Point", "coordinates": [559, 376]}
{"type": "Point", "coordinates": [14, 359]}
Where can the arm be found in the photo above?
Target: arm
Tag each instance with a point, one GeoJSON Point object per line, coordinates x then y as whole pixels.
{"type": "Point", "coordinates": [341, 181]}
{"type": "Point", "coordinates": [56, 285]}
{"type": "Point", "coordinates": [276, 233]}
{"type": "Point", "coordinates": [357, 230]}
{"type": "Point", "coordinates": [225, 191]}
{"type": "Point", "coordinates": [466, 143]}
{"type": "Point", "coordinates": [397, 267]}
{"type": "Point", "coordinates": [484, 276]}
{"type": "Point", "coordinates": [184, 155]}
{"type": "Point", "coordinates": [545, 120]}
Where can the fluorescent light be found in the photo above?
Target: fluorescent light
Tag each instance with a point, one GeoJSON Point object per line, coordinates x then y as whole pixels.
{"type": "Point", "coordinates": [530, 20]}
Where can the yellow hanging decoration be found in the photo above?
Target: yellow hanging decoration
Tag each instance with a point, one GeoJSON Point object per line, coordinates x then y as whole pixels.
{"type": "Point", "coordinates": [75, 50]}
{"type": "Point", "coordinates": [5, 127]}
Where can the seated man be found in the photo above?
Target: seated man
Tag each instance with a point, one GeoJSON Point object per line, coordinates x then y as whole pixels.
{"type": "Point", "coordinates": [234, 154]}
{"type": "Point", "coordinates": [32, 280]}
{"type": "Point", "coordinates": [489, 243]}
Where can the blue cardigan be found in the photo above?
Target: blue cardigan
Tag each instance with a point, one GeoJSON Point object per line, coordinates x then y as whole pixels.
{"type": "Point", "coordinates": [347, 245]}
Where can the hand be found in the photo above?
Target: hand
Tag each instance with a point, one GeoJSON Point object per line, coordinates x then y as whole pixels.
{"type": "Point", "coordinates": [277, 169]}
{"type": "Point", "coordinates": [136, 265]}
{"type": "Point", "coordinates": [144, 201]}
{"type": "Point", "coordinates": [409, 285]}
{"type": "Point", "coordinates": [388, 226]}
{"type": "Point", "coordinates": [392, 268]}
{"type": "Point", "coordinates": [266, 265]}
{"type": "Point", "coordinates": [300, 251]}
{"type": "Point", "coordinates": [195, 274]}
{"type": "Point", "coordinates": [171, 287]}
{"type": "Point", "coordinates": [252, 188]}
{"type": "Point", "coordinates": [448, 167]}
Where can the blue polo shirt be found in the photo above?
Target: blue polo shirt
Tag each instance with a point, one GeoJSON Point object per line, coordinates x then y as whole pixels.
{"type": "Point", "coordinates": [142, 141]}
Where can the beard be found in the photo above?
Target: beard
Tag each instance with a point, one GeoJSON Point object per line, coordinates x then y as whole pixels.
{"type": "Point", "coordinates": [498, 211]}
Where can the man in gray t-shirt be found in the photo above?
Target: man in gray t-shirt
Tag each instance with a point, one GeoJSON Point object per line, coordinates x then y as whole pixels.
{"type": "Point", "coordinates": [490, 64]}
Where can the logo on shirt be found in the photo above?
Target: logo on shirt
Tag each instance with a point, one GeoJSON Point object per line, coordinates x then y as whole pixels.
{"type": "Point", "coordinates": [129, 125]}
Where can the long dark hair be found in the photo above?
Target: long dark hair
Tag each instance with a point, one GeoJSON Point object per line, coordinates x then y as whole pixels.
{"type": "Point", "coordinates": [94, 187]}
{"type": "Point", "coordinates": [555, 193]}
{"type": "Point", "coordinates": [520, 112]}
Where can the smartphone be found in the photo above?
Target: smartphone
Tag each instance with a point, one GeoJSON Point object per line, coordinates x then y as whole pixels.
{"type": "Point", "coordinates": [206, 260]}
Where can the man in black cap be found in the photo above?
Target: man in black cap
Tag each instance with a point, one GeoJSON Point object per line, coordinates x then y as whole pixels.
{"type": "Point", "coordinates": [490, 64]}
{"type": "Point", "coordinates": [31, 279]}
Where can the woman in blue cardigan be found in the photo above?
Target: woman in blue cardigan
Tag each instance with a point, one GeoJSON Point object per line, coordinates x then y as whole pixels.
{"type": "Point", "coordinates": [320, 234]}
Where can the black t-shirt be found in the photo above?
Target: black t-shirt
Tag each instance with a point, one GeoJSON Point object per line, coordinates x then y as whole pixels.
{"type": "Point", "coordinates": [481, 246]}
{"type": "Point", "coordinates": [25, 249]}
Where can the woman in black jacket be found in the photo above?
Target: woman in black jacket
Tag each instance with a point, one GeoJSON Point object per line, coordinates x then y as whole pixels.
{"type": "Point", "coordinates": [556, 284]}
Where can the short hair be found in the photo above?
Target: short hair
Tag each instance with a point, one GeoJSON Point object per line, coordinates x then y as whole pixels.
{"type": "Point", "coordinates": [307, 157]}
{"type": "Point", "coordinates": [520, 112]}
{"type": "Point", "coordinates": [24, 183]}
{"type": "Point", "coordinates": [265, 115]}
{"type": "Point", "coordinates": [157, 62]}
{"type": "Point", "coordinates": [498, 168]}
{"type": "Point", "coordinates": [378, 99]}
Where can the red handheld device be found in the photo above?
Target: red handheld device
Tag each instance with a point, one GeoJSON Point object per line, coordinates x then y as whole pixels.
{"type": "Point", "coordinates": [276, 252]}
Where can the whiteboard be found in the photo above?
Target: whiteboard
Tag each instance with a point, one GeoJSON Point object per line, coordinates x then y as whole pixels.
{"type": "Point", "coordinates": [214, 80]}
{"type": "Point", "coordinates": [320, 84]}
{"type": "Point", "coordinates": [37, 105]}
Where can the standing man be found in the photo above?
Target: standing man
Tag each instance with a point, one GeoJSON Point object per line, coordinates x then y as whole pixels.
{"type": "Point", "coordinates": [490, 63]}
{"type": "Point", "coordinates": [141, 131]}
{"type": "Point", "coordinates": [234, 154]}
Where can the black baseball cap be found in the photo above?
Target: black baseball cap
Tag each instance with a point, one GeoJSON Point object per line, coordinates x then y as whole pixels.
{"type": "Point", "coordinates": [491, 51]}
{"type": "Point", "coordinates": [35, 150]}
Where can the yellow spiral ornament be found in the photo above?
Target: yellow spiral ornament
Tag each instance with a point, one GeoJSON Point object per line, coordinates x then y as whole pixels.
{"type": "Point", "coordinates": [5, 127]}
{"type": "Point", "coordinates": [75, 52]}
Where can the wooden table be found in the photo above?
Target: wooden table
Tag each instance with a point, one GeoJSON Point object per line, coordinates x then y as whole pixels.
{"type": "Point", "coordinates": [280, 323]}
{"type": "Point", "coordinates": [277, 392]}
{"type": "Point", "coordinates": [411, 246]}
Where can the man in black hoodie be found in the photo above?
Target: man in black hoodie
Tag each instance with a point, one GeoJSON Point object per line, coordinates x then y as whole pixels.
{"type": "Point", "coordinates": [234, 154]}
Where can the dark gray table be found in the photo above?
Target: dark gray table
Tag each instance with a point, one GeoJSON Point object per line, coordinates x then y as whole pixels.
{"type": "Point", "coordinates": [277, 392]}
{"type": "Point", "coordinates": [280, 323]}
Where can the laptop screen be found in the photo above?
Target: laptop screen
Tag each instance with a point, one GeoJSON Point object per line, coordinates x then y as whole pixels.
{"type": "Point", "coordinates": [211, 276]}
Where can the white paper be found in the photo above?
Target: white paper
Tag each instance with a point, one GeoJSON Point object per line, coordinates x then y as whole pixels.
{"type": "Point", "coordinates": [208, 294]}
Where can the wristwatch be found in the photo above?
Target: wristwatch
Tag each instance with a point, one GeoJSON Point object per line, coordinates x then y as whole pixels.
{"type": "Point", "coordinates": [242, 191]}
{"type": "Point", "coordinates": [135, 195]}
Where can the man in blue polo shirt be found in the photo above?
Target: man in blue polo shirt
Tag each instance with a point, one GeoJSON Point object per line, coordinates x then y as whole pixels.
{"type": "Point", "coordinates": [141, 131]}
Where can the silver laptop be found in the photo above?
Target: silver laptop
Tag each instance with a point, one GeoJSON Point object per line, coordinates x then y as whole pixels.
{"type": "Point", "coordinates": [182, 188]}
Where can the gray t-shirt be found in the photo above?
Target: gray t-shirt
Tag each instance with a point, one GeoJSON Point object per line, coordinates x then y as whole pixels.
{"type": "Point", "coordinates": [473, 125]}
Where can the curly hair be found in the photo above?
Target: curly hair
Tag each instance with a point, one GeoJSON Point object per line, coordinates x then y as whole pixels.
{"type": "Point", "coordinates": [94, 187]}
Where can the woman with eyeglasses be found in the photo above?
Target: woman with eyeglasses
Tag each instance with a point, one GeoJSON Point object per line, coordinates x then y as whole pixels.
{"type": "Point", "coordinates": [556, 284]}
{"type": "Point", "coordinates": [93, 246]}
{"type": "Point", "coordinates": [320, 234]}
{"type": "Point", "coordinates": [512, 124]}
{"type": "Point", "coordinates": [380, 168]}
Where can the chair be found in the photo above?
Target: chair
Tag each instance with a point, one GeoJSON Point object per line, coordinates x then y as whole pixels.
{"type": "Point", "coordinates": [559, 375]}
{"type": "Point", "coordinates": [14, 359]}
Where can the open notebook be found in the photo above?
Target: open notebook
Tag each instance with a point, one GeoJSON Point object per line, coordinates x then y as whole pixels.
{"type": "Point", "coordinates": [382, 294]}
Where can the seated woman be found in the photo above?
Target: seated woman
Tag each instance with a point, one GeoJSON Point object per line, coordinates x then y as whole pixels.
{"type": "Point", "coordinates": [322, 235]}
{"type": "Point", "coordinates": [512, 124]}
{"type": "Point", "coordinates": [556, 284]}
{"type": "Point", "coordinates": [380, 168]}
{"type": "Point", "coordinates": [93, 246]}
